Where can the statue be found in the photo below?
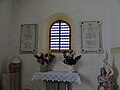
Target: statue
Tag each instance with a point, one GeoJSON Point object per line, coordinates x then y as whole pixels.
{"type": "Point", "coordinates": [104, 79]}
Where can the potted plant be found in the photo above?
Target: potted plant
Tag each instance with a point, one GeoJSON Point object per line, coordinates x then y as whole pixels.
{"type": "Point", "coordinates": [70, 60]}
{"type": "Point", "coordinates": [44, 59]}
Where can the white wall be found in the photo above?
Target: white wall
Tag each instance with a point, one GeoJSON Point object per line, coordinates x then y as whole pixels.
{"type": "Point", "coordinates": [5, 15]}
{"type": "Point", "coordinates": [37, 11]}
{"type": "Point", "coordinates": [115, 23]}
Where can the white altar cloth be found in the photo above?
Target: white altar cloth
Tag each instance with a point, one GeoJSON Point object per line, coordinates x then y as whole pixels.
{"type": "Point", "coordinates": [57, 76]}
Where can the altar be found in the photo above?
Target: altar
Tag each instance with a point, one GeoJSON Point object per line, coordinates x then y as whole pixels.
{"type": "Point", "coordinates": [57, 80]}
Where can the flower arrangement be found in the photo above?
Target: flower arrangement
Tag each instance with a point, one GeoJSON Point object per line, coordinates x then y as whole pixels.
{"type": "Point", "coordinates": [44, 59]}
{"type": "Point", "coordinates": [69, 58]}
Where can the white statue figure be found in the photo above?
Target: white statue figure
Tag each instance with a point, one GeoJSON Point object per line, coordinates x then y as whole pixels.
{"type": "Point", "coordinates": [104, 79]}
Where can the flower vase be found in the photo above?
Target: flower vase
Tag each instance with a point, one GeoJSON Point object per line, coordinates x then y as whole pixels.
{"type": "Point", "coordinates": [71, 68]}
{"type": "Point", "coordinates": [43, 68]}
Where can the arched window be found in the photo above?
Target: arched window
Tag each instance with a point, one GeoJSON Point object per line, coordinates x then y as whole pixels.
{"type": "Point", "coordinates": [60, 36]}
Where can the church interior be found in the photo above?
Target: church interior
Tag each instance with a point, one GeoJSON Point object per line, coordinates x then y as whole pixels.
{"type": "Point", "coordinates": [86, 31]}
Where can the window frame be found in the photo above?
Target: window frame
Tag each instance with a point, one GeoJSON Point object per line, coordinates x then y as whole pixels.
{"type": "Point", "coordinates": [59, 51]}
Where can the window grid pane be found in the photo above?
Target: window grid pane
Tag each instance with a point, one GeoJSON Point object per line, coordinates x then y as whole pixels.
{"type": "Point", "coordinates": [60, 36]}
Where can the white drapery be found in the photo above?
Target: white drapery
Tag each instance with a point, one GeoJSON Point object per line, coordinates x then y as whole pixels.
{"type": "Point", "coordinates": [57, 76]}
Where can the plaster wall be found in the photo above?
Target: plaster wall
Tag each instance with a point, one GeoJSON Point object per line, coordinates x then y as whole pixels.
{"type": "Point", "coordinates": [114, 23]}
{"type": "Point", "coordinates": [5, 15]}
{"type": "Point", "coordinates": [38, 11]}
